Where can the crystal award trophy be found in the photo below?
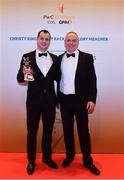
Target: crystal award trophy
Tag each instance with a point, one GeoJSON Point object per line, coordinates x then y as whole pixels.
{"type": "Point", "coordinates": [27, 65]}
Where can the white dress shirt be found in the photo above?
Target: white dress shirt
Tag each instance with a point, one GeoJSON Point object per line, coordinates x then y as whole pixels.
{"type": "Point", "coordinates": [68, 70]}
{"type": "Point", "coordinates": [44, 62]}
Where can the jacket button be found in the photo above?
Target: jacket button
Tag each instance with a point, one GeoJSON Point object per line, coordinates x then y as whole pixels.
{"type": "Point", "coordinates": [44, 91]}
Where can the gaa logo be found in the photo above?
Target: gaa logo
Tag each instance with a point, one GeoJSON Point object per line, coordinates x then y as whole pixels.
{"type": "Point", "coordinates": [65, 22]}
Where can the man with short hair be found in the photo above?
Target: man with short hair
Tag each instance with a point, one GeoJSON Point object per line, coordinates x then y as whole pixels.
{"type": "Point", "coordinates": [77, 96]}
{"type": "Point", "coordinates": [41, 97]}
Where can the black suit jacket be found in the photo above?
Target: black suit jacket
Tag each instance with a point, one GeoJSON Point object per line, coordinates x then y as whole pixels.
{"type": "Point", "coordinates": [41, 85]}
{"type": "Point", "coordinates": [85, 77]}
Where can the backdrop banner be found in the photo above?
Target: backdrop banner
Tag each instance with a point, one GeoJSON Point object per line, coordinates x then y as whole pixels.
{"type": "Point", "coordinates": [100, 26]}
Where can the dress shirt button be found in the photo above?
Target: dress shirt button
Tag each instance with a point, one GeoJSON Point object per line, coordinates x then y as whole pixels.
{"type": "Point", "coordinates": [44, 91]}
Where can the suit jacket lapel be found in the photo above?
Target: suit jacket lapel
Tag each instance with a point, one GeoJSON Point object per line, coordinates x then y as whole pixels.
{"type": "Point", "coordinates": [80, 57]}
{"type": "Point", "coordinates": [34, 64]}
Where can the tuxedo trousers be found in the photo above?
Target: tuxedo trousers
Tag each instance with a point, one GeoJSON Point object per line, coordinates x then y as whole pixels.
{"type": "Point", "coordinates": [72, 108]}
{"type": "Point", "coordinates": [35, 112]}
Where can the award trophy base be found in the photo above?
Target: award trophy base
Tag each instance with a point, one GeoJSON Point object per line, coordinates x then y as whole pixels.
{"type": "Point", "coordinates": [28, 77]}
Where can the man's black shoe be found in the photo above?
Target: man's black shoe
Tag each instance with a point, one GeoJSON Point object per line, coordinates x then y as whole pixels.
{"type": "Point", "coordinates": [30, 168]}
{"type": "Point", "coordinates": [92, 168]}
{"type": "Point", "coordinates": [50, 163]}
{"type": "Point", "coordinates": [67, 161]}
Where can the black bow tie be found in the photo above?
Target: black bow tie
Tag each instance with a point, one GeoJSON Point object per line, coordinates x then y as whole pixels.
{"type": "Point", "coordinates": [68, 55]}
{"type": "Point", "coordinates": [42, 54]}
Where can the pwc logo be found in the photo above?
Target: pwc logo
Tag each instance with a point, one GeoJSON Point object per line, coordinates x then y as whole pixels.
{"type": "Point", "coordinates": [59, 17]}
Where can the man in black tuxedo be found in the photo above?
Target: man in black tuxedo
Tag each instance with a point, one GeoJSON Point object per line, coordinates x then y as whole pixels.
{"type": "Point", "coordinates": [41, 97]}
{"type": "Point", "coordinates": [77, 95]}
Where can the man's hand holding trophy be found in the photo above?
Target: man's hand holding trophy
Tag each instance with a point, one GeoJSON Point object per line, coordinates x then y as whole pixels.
{"type": "Point", "coordinates": [27, 70]}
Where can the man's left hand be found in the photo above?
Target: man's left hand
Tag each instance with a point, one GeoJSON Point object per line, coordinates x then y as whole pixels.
{"type": "Point", "coordinates": [90, 107]}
